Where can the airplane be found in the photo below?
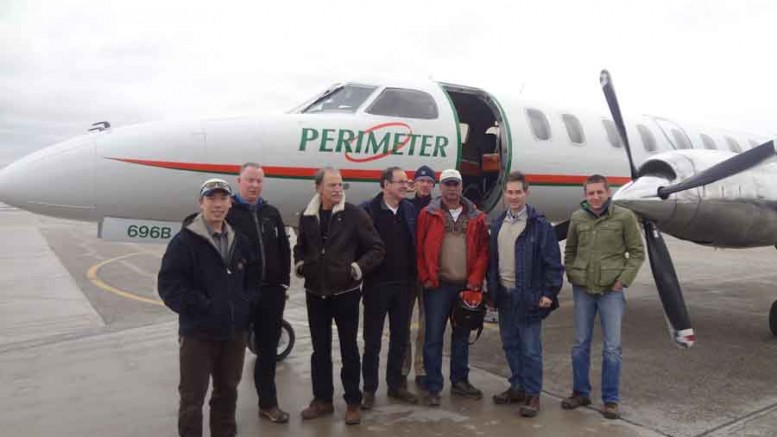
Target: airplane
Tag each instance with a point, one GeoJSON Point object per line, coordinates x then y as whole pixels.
{"type": "Point", "coordinates": [709, 186]}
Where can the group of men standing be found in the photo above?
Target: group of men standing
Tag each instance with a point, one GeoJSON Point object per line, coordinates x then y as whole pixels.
{"type": "Point", "coordinates": [389, 253]}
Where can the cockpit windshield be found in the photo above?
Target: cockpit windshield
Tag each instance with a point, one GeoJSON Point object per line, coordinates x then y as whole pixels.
{"type": "Point", "coordinates": [341, 99]}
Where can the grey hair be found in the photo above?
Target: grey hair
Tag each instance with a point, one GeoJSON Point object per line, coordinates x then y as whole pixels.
{"type": "Point", "coordinates": [319, 176]}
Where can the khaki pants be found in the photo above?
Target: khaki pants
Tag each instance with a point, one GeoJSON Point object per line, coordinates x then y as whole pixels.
{"type": "Point", "coordinates": [199, 360]}
{"type": "Point", "coordinates": [418, 362]}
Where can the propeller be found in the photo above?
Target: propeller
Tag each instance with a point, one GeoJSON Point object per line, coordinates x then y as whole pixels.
{"type": "Point", "coordinates": [722, 170]}
{"type": "Point", "coordinates": [661, 265]}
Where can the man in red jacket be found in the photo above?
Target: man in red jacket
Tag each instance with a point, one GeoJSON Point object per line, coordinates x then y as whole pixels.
{"type": "Point", "coordinates": [452, 256]}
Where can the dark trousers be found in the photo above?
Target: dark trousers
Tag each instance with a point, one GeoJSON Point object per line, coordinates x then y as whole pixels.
{"type": "Point", "coordinates": [381, 300]}
{"type": "Point", "coordinates": [267, 316]}
{"type": "Point", "coordinates": [200, 360]}
{"type": "Point", "coordinates": [344, 310]}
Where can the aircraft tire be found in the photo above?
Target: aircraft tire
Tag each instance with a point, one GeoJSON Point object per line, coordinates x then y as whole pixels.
{"type": "Point", "coordinates": [285, 342]}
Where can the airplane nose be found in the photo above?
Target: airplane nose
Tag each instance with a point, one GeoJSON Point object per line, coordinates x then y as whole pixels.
{"type": "Point", "coordinates": [55, 181]}
{"type": "Point", "coordinates": [641, 197]}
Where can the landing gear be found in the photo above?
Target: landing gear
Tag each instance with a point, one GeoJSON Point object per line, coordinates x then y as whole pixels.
{"type": "Point", "coordinates": [773, 318]}
{"type": "Point", "coordinates": [285, 342]}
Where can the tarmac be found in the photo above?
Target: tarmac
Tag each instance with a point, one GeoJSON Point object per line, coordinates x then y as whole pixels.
{"type": "Point", "coordinates": [87, 349]}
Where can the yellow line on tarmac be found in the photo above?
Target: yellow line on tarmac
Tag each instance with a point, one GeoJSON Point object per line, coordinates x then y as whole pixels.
{"type": "Point", "coordinates": [91, 274]}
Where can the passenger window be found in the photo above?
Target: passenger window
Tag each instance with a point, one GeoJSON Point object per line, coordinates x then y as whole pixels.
{"type": "Point", "coordinates": [574, 128]}
{"type": "Point", "coordinates": [648, 140]}
{"type": "Point", "coordinates": [708, 142]}
{"type": "Point", "coordinates": [540, 126]}
{"type": "Point", "coordinates": [612, 133]}
{"type": "Point", "coordinates": [733, 145]}
{"type": "Point", "coordinates": [681, 140]}
{"type": "Point", "coordinates": [399, 102]}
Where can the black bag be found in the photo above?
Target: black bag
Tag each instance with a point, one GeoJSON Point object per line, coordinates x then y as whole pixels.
{"type": "Point", "coordinates": [467, 317]}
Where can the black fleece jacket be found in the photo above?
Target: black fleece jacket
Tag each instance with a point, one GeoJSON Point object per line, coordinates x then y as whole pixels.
{"type": "Point", "coordinates": [212, 297]}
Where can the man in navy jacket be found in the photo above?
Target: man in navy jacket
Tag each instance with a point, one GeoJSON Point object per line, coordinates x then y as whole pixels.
{"type": "Point", "coordinates": [524, 278]}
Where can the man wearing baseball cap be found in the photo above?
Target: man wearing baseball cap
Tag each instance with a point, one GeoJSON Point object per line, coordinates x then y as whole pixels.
{"type": "Point", "coordinates": [424, 180]}
{"type": "Point", "coordinates": [210, 276]}
{"type": "Point", "coordinates": [452, 256]}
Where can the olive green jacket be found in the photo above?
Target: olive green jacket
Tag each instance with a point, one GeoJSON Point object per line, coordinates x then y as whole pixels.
{"type": "Point", "coordinates": [602, 250]}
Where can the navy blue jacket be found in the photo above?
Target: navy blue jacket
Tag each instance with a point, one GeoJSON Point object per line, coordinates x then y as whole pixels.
{"type": "Point", "coordinates": [537, 266]}
{"type": "Point", "coordinates": [212, 297]}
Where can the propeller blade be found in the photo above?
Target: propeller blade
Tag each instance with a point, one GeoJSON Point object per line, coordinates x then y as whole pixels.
{"type": "Point", "coordinates": [668, 288]}
{"type": "Point", "coordinates": [612, 101]}
{"type": "Point", "coordinates": [722, 170]}
{"type": "Point", "coordinates": [561, 230]}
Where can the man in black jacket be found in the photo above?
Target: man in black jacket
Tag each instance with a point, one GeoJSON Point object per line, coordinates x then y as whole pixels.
{"type": "Point", "coordinates": [210, 276]}
{"type": "Point", "coordinates": [336, 246]}
{"type": "Point", "coordinates": [262, 224]}
{"type": "Point", "coordinates": [388, 289]}
{"type": "Point", "coordinates": [424, 180]}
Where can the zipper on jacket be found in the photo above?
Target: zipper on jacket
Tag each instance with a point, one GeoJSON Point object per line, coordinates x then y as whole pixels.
{"type": "Point", "coordinates": [259, 226]}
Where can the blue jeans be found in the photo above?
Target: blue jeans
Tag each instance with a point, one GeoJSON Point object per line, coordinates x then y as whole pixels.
{"type": "Point", "coordinates": [610, 306]}
{"type": "Point", "coordinates": [522, 343]}
{"type": "Point", "coordinates": [438, 303]}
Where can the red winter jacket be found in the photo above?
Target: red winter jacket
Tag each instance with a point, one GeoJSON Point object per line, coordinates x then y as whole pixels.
{"type": "Point", "coordinates": [431, 229]}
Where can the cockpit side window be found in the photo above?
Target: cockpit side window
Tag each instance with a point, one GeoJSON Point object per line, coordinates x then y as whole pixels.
{"type": "Point", "coordinates": [648, 140]}
{"type": "Point", "coordinates": [401, 102]}
{"type": "Point", "coordinates": [345, 99]}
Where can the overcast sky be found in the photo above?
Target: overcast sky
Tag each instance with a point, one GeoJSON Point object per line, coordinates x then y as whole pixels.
{"type": "Point", "coordinates": [65, 65]}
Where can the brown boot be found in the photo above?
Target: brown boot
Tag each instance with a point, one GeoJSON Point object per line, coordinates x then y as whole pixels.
{"type": "Point", "coordinates": [368, 400]}
{"type": "Point", "coordinates": [317, 409]}
{"type": "Point", "coordinates": [353, 415]}
{"type": "Point", "coordinates": [610, 411]}
{"type": "Point", "coordinates": [531, 407]}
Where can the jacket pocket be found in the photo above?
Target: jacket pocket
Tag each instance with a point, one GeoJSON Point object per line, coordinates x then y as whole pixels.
{"type": "Point", "coordinates": [608, 276]}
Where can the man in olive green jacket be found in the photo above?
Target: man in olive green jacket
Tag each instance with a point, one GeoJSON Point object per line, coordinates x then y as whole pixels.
{"type": "Point", "coordinates": [603, 254]}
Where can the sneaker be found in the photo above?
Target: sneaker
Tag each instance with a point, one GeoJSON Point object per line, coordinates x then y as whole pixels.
{"type": "Point", "coordinates": [432, 399]}
{"type": "Point", "coordinates": [465, 389]}
{"type": "Point", "coordinates": [274, 414]}
{"type": "Point", "coordinates": [510, 396]}
{"type": "Point", "coordinates": [574, 401]}
{"type": "Point", "coordinates": [368, 400]}
{"type": "Point", "coordinates": [610, 411]}
{"type": "Point", "coordinates": [317, 409]}
{"type": "Point", "coordinates": [353, 415]}
{"type": "Point", "coordinates": [403, 395]}
{"type": "Point", "coordinates": [531, 407]}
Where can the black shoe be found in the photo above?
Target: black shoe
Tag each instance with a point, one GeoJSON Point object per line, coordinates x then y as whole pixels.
{"type": "Point", "coordinates": [465, 389]}
{"type": "Point", "coordinates": [510, 396]}
{"type": "Point", "coordinates": [403, 395]}
{"type": "Point", "coordinates": [574, 401]}
{"type": "Point", "coordinates": [368, 400]}
{"type": "Point", "coordinates": [432, 399]}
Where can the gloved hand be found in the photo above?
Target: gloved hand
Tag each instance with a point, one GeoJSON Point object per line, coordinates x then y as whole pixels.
{"type": "Point", "coordinates": [471, 298]}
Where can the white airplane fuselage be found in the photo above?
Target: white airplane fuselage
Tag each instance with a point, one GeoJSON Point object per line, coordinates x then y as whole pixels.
{"type": "Point", "coordinates": [153, 171]}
